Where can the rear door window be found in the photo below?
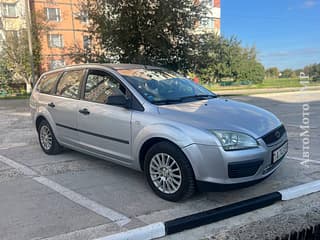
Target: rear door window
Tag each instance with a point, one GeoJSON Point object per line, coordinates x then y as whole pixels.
{"type": "Point", "coordinates": [48, 82]}
{"type": "Point", "coordinates": [69, 84]}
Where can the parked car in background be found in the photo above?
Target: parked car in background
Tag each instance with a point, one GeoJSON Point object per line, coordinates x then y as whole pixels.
{"type": "Point", "coordinates": [181, 135]}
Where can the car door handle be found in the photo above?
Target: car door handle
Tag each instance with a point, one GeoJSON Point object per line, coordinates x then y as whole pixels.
{"type": "Point", "coordinates": [51, 105]}
{"type": "Point", "coordinates": [84, 111]}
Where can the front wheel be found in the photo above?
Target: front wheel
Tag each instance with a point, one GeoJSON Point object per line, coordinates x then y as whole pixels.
{"type": "Point", "coordinates": [169, 172]}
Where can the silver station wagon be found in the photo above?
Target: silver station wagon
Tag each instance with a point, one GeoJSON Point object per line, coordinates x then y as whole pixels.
{"type": "Point", "coordinates": [181, 135]}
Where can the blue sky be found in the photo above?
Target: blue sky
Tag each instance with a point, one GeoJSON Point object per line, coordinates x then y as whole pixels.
{"type": "Point", "coordinates": [286, 33]}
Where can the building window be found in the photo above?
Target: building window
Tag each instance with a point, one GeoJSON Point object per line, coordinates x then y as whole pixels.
{"type": "Point", "coordinates": [84, 16]}
{"type": "Point", "coordinates": [1, 40]}
{"type": "Point", "coordinates": [207, 22]}
{"type": "Point", "coordinates": [9, 10]}
{"type": "Point", "coordinates": [55, 40]}
{"type": "Point", "coordinates": [54, 64]}
{"type": "Point", "coordinates": [86, 42]}
{"type": "Point", "coordinates": [12, 35]}
{"type": "Point", "coordinates": [53, 14]}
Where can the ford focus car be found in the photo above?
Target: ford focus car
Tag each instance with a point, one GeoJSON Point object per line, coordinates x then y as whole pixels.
{"type": "Point", "coordinates": [181, 135]}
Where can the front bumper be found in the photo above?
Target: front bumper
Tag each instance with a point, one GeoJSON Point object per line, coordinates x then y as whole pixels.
{"type": "Point", "coordinates": [212, 164]}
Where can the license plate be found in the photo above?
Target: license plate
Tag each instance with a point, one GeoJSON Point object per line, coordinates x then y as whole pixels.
{"type": "Point", "coordinates": [279, 153]}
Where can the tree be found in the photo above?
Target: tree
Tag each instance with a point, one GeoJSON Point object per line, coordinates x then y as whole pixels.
{"type": "Point", "coordinates": [288, 73]}
{"type": "Point", "coordinates": [161, 32]}
{"type": "Point", "coordinates": [16, 56]}
{"type": "Point", "coordinates": [216, 58]}
{"type": "Point", "coordinates": [5, 75]}
{"type": "Point", "coordinates": [298, 71]}
{"type": "Point", "coordinates": [211, 57]}
{"type": "Point", "coordinates": [15, 51]}
{"type": "Point", "coordinates": [272, 72]}
{"type": "Point", "coordinates": [157, 32]}
{"type": "Point", "coordinates": [250, 69]}
{"type": "Point", "coordinates": [313, 71]}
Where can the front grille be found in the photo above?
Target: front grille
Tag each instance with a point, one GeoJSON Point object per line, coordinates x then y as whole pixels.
{"type": "Point", "coordinates": [274, 135]}
{"type": "Point", "coordinates": [243, 169]}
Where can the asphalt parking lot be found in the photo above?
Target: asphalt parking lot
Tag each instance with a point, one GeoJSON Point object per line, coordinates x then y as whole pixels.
{"type": "Point", "coordinates": [75, 196]}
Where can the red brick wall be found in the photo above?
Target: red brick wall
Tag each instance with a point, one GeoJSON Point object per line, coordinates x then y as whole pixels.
{"type": "Point", "coordinates": [69, 27]}
{"type": "Point", "coordinates": [216, 3]}
{"type": "Point", "coordinates": [217, 24]}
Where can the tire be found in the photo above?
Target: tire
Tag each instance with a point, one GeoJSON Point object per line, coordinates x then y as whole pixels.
{"type": "Point", "coordinates": [48, 144]}
{"type": "Point", "coordinates": [162, 178]}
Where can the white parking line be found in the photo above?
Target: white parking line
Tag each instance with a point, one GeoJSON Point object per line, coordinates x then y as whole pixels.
{"type": "Point", "coordinates": [85, 202]}
{"type": "Point", "coordinates": [303, 160]}
{"type": "Point", "coordinates": [95, 207]}
{"type": "Point", "coordinates": [86, 233]}
{"type": "Point", "coordinates": [21, 168]}
{"type": "Point", "coordinates": [12, 145]}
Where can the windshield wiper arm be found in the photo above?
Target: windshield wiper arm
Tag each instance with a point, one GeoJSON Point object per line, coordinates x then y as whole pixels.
{"type": "Point", "coordinates": [167, 101]}
{"type": "Point", "coordinates": [202, 96]}
{"type": "Point", "coordinates": [179, 100]}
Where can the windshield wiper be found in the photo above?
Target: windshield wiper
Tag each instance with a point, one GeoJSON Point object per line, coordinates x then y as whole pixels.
{"type": "Point", "coordinates": [200, 96]}
{"type": "Point", "coordinates": [179, 100]}
{"type": "Point", "coordinates": [166, 101]}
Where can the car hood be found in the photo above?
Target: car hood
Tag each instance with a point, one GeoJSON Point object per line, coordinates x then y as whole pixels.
{"type": "Point", "coordinates": [222, 114]}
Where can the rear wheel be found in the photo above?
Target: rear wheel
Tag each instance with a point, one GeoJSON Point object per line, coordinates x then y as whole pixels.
{"type": "Point", "coordinates": [169, 172]}
{"type": "Point", "coordinates": [47, 140]}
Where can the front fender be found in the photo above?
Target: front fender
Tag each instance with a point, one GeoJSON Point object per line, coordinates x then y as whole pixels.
{"type": "Point", "coordinates": [165, 131]}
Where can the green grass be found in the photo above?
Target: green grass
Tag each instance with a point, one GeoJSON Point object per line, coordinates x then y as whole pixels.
{"type": "Point", "coordinates": [25, 96]}
{"type": "Point", "coordinates": [280, 83]}
{"type": "Point", "coordinates": [268, 83]}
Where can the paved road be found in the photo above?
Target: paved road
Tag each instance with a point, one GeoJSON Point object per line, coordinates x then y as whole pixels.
{"type": "Point", "coordinates": [75, 196]}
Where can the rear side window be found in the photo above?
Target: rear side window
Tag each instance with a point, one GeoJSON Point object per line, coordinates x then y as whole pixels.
{"type": "Point", "coordinates": [48, 82]}
{"type": "Point", "coordinates": [69, 84]}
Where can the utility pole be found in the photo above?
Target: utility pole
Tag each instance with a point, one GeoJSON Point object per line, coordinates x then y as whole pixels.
{"type": "Point", "coordinates": [29, 32]}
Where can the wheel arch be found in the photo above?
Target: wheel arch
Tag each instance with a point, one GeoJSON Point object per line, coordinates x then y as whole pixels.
{"type": "Point", "coordinates": [154, 134]}
{"type": "Point", "coordinates": [147, 145]}
{"type": "Point", "coordinates": [39, 119]}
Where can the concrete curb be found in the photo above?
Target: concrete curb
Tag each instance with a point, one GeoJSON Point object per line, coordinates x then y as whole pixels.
{"type": "Point", "coordinates": [162, 229]}
{"type": "Point", "coordinates": [150, 231]}
{"type": "Point", "coordinates": [300, 190]}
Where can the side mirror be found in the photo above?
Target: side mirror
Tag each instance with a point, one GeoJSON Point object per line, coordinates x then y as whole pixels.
{"type": "Point", "coordinates": [119, 100]}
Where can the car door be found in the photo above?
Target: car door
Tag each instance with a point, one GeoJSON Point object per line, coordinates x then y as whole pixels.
{"type": "Point", "coordinates": [104, 129]}
{"type": "Point", "coordinates": [64, 106]}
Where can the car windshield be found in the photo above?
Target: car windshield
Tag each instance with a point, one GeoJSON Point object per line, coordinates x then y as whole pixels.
{"type": "Point", "coordinates": [161, 86]}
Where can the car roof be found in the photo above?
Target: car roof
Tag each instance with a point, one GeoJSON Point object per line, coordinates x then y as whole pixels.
{"type": "Point", "coordinates": [113, 66]}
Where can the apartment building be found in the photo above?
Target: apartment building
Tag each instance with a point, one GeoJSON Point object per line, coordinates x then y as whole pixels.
{"type": "Point", "coordinates": [66, 26]}
{"type": "Point", "coordinates": [12, 18]}
{"type": "Point", "coordinates": [66, 30]}
{"type": "Point", "coordinates": [211, 22]}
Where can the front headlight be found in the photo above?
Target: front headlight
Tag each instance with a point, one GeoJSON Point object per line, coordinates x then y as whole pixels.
{"type": "Point", "coordinates": [235, 140]}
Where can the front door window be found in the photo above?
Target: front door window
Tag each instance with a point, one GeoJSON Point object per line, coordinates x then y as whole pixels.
{"type": "Point", "coordinates": [100, 86]}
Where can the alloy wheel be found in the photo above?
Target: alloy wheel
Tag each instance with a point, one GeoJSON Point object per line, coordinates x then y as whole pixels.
{"type": "Point", "coordinates": [165, 173]}
{"type": "Point", "coordinates": [46, 137]}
